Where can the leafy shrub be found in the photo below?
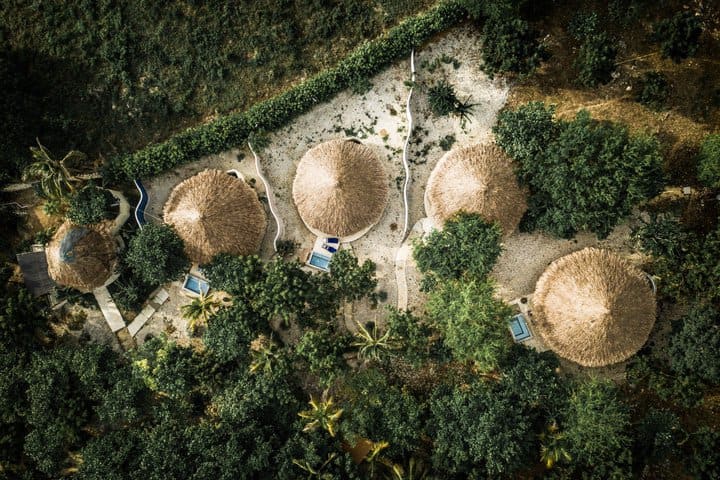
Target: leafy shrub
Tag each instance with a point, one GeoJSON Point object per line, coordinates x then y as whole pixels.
{"type": "Point", "coordinates": [510, 46]}
{"type": "Point", "coordinates": [687, 263]}
{"type": "Point", "coordinates": [656, 439]}
{"type": "Point", "coordinates": [447, 142]}
{"type": "Point", "coordinates": [525, 134]}
{"type": "Point", "coordinates": [654, 90]}
{"type": "Point", "coordinates": [322, 350]}
{"type": "Point", "coordinates": [582, 174]}
{"type": "Point", "coordinates": [352, 280]}
{"type": "Point", "coordinates": [156, 255]}
{"type": "Point", "coordinates": [583, 24]}
{"type": "Point", "coordinates": [467, 246]}
{"type": "Point", "coordinates": [595, 62]}
{"type": "Point", "coordinates": [596, 424]}
{"type": "Point", "coordinates": [232, 130]}
{"type": "Point", "coordinates": [90, 205]}
{"type": "Point", "coordinates": [443, 98]}
{"type": "Point", "coordinates": [709, 161]}
{"type": "Point", "coordinates": [705, 458]}
{"type": "Point", "coordinates": [443, 101]}
{"type": "Point", "coordinates": [472, 322]}
{"type": "Point", "coordinates": [679, 36]}
{"type": "Point", "coordinates": [695, 345]}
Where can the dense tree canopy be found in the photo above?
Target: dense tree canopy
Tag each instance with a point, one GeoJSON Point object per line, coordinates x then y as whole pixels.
{"type": "Point", "coordinates": [679, 36]}
{"type": "Point", "coordinates": [510, 44]}
{"type": "Point", "coordinates": [709, 161]}
{"type": "Point", "coordinates": [90, 205]}
{"type": "Point", "coordinates": [467, 246]}
{"type": "Point", "coordinates": [472, 322]}
{"type": "Point", "coordinates": [156, 254]}
{"type": "Point", "coordinates": [477, 432]}
{"type": "Point", "coordinates": [583, 174]}
{"type": "Point", "coordinates": [695, 345]}
{"type": "Point", "coordinates": [597, 430]}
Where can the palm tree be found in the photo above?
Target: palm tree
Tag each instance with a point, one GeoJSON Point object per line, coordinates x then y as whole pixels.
{"type": "Point", "coordinates": [323, 414]}
{"type": "Point", "coordinates": [262, 352]}
{"type": "Point", "coordinates": [372, 345]}
{"type": "Point", "coordinates": [415, 469]}
{"type": "Point", "coordinates": [201, 308]}
{"type": "Point", "coordinates": [551, 446]}
{"type": "Point", "coordinates": [55, 179]}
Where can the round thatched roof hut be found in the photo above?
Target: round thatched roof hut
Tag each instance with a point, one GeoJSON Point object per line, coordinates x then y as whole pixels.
{"type": "Point", "coordinates": [340, 189]}
{"type": "Point", "coordinates": [214, 212]}
{"type": "Point", "coordinates": [478, 179]}
{"type": "Point", "coordinates": [594, 308]}
{"type": "Point", "coordinates": [81, 257]}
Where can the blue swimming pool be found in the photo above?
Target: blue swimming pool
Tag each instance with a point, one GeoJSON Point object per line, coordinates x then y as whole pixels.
{"type": "Point", "coordinates": [196, 285]}
{"type": "Point", "coordinates": [519, 328]}
{"type": "Point", "coordinates": [319, 261]}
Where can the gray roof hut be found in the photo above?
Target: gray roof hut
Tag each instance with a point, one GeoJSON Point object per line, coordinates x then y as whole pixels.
{"type": "Point", "coordinates": [81, 257]}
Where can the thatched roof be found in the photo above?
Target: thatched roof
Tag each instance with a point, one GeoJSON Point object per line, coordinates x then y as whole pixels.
{"type": "Point", "coordinates": [477, 179]}
{"type": "Point", "coordinates": [594, 308]}
{"type": "Point", "coordinates": [81, 257]}
{"type": "Point", "coordinates": [340, 188]}
{"type": "Point", "coordinates": [214, 212]}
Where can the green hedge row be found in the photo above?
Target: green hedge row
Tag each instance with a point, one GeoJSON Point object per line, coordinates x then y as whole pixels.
{"type": "Point", "coordinates": [233, 130]}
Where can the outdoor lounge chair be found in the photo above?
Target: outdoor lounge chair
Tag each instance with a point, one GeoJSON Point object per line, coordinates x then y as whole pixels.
{"type": "Point", "coordinates": [329, 248]}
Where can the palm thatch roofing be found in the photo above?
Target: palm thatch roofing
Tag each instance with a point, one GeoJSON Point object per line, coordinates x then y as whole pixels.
{"type": "Point", "coordinates": [214, 212]}
{"type": "Point", "coordinates": [340, 188]}
{"type": "Point", "coordinates": [594, 308]}
{"type": "Point", "coordinates": [477, 179]}
{"type": "Point", "coordinates": [81, 257]}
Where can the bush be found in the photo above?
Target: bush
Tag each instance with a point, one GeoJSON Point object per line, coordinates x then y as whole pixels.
{"type": "Point", "coordinates": [510, 46]}
{"type": "Point", "coordinates": [443, 98]}
{"type": "Point", "coordinates": [90, 205]}
{"type": "Point", "coordinates": [695, 345]}
{"type": "Point", "coordinates": [687, 263]}
{"type": "Point", "coordinates": [351, 280]}
{"type": "Point", "coordinates": [232, 130]}
{"type": "Point", "coordinates": [472, 322]}
{"type": "Point", "coordinates": [595, 62]}
{"type": "Point", "coordinates": [467, 246]}
{"type": "Point", "coordinates": [582, 174]}
{"type": "Point", "coordinates": [705, 458]}
{"type": "Point", "coordinates": [654, 90]}
{"type": "Point", "coordinates": [679, 36]}
{"type": "Point", "coordinates": [709, 161]}
{"type": "Point", "coordinates": [156, 255]}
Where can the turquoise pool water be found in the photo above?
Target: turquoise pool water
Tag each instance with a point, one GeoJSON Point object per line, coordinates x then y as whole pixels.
{"type": "Point", "coordinates": [196, 285]}
{"type": "Point", "coordinates": [319, 261]}
{"type": "Point", "coordinates": [519, 328]}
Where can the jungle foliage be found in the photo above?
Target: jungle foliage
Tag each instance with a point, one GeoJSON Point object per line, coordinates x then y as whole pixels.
{"type": "Point", "coordinates": [583, 174]}
{"type": "Point", "coordinates": [112, 77]}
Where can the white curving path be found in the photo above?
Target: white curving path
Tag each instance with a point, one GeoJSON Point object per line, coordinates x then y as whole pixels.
{"type": "Point", "coordinates": [406, 165]}
{"type": "Point", "coordinates": [270, 198]}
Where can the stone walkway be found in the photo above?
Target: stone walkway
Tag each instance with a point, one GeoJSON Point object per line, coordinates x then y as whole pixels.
{"type": "Point", "coordinates": [109, 309]}
{"type": "Point", "coordinates": [420, 228]}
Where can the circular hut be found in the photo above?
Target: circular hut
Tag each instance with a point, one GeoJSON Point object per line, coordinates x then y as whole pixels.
{"type": "Point", "coordinates": [340, 189]}
{"type": "Point", "coordinates": [478, 179]}
{"type": "Point", "coordinates": [81, 257]}
{"type": "Point", "coordinates": [594, 308]}
{"type": "Point", "coordinates": [214, 212]}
